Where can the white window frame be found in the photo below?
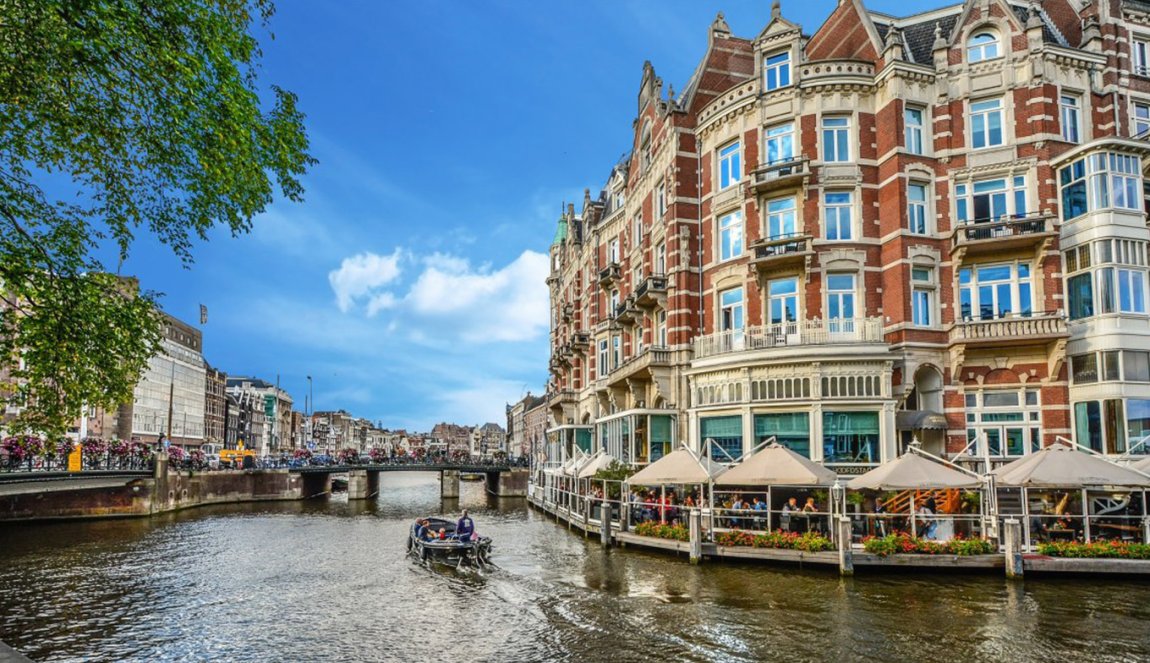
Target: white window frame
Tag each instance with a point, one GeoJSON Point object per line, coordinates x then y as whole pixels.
{"type": "Point", "coordinates": [1015, 284]}
{"type": "Point", "coordinates": [779, 71]}
{"type": "Point", "coordinates": [637, 236]}
{"type": "Point", "coordinates": [613, 250]}
{"type": "Point", "coordinates": [730, 159]}
{"type": "Point", "coordinates": [661, 199]}
{"type": "Point", "coordinates": [732, 316]}
{"type": "Point", "coordinates": [782, 298]}
{"type": "Point", "coordinates": [924, 296]}
{"type": "Point", "coordinates": [979, 49]}
{"type": "Point", "coordinates": [1140, 118]}
{"type": "Point", "coordinates": [782, 218]}
{"type": "Point", "coordinates": [616, 351]}
{"type": "Point", "coordinates": [1070, 117]}
{"type": "Point", "coordinates": [661, 328]}
{"type": "Point", "coordinates": [982, 109]}
{"type": "Point", "coordinates": [780, 138]}
{"type": "Point", "coordinates": [918, 211]}
{"type": "Point", "coordinates": [1013, 201]}
{"type": "Point", "coordinates": [833, 213]}
{"type": "Point", "coordinates": [913, 134]}
{"type": "Point", "coordinates": [731, 234]}
{"type": "Point", "coordinates": [1140, 55]}
{"type": "Point", "coordinates": [846, 298]}
{"type": "Point", "coordinates": [603, 354]}
{"type": "Point", "coordinates": [661, 259]}
{"type": "Point", "coordinates": [836, 138]}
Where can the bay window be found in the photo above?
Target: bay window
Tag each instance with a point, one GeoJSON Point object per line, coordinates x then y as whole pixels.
{"type": "Point", "coordinates": [1106, 276]}
{"type": "Point", "coordinates": [1101, 425]}
{"type": "Point", "coordinates": [1100, 181]}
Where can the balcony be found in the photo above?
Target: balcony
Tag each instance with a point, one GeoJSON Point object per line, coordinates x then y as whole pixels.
{"type": "Point", "coordinates": [644, 365]}
{"type": "Point", "coordinates": [568, 312]}
{"type": "Point", "coordinates": [626, 311]}
{"type": "Point", "coordinates": [790, 334]}
{"type": "Point", "coordinates": [774, 253]}
{"type": "Point", "coordinates": [780, 175]}
{"type": "Point", "coordinates": [651, 291]}
{"type": "Point", "coordinates": [1005, 234]}
{"type": "Point", "coordinates": [579, 342]}
{"type": "Point", "coordinates": [609, 274]}
{"type": "Point", "coordinates": [1022, 329]}
{"type": "Point", "coordinates": [561, 397]}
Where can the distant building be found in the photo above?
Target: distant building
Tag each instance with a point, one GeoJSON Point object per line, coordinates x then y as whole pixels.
{"type": "Point", "coordinates": [517, 443]}
{"type": "Point", "coordinates": [215, 405]}
{"type": "Point", "coordinates": [175, 381]}
{"type": "Point", "coordinates": [277, 408]}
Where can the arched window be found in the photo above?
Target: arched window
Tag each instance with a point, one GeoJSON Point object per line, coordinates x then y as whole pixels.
{"type": "Point", "coordinates": [982, 46]}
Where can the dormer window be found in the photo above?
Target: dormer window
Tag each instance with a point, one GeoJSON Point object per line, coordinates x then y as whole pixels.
{"type": "Point", "coordinates": [777, 70]}
{"type": "Point", "coordinates": [982, 46]}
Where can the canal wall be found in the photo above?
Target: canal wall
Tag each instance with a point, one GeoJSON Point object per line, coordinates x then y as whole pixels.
{"type": "Point", "coordinates": [126, 497]}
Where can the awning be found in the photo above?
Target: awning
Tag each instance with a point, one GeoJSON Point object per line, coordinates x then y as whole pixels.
{"type": "Point", "coordinates": [919, 420]}
{"type": "Point", "coordinates": [912, 471]}
{"type": "Point", "coordinates": [1059, 466]}
{"type": "Point", "coordinates": [678, 467]}
{"type": "Point", "coordinates": [776, 465]}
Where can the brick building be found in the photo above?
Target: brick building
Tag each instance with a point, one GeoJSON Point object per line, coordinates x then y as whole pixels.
{"type": "Point", "coordinates": [890, 228]}
{"type": "Point", "coordinates": [215, 406]}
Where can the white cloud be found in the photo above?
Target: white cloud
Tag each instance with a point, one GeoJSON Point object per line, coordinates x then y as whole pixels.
{"type": "Point", "coordinates": [361, 275]}
{"type": "Point", "coordinates": [450, 299]}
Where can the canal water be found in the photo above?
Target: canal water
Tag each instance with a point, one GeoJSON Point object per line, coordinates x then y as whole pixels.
{"type": "Point", "coordinates": [329, 581]}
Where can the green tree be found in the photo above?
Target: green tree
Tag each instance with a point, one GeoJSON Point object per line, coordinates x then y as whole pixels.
{"type": "Point", "coordinates": [118, 118]}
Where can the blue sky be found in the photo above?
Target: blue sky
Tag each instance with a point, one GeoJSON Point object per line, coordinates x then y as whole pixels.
{"type": "Point", "coordinates": [410, 284]}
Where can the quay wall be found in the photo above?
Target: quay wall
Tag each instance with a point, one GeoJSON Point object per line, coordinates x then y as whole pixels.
{"type": "Point", "coordinates": [127, 497]}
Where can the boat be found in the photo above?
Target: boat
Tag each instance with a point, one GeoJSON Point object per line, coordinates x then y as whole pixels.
{"type": "Point", "coordinates": [471, 552]}
{"type": "Point", "coordinates": [471, 476]}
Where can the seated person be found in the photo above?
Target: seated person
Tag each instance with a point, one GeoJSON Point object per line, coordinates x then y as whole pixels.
{"type": "Point", "coordinates": [442, 534]}
{"type": "Point", "coordinates": [465, 527]}
{"type": "Point", "coordinates": [420, 529]}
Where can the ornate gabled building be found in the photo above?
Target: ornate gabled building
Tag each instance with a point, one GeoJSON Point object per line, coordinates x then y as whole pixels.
{"type": "Point", "coordinates": [892, 228]}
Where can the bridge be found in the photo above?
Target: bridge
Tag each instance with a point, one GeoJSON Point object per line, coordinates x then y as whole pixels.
{"type": "Point", "coordinates": [503, 479]}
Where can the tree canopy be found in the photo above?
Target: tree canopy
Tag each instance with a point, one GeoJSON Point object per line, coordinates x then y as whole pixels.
{"type": "Point", "coordinates": [118, 118]}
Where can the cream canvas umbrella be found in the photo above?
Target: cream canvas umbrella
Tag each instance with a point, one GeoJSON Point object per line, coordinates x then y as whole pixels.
{"type": "Point", "coordinates": [600, 461]}
{"type": "Point", "coordinates": [776, 465]}
{"type": "Point", "coordinates": [1142, 465]}
{"type": "Point", "coordinates": [912, 471]}
{"type": "Point", "coordinates": [1059, 466]}
{"type": "Point", "coordinates": [678, 467]}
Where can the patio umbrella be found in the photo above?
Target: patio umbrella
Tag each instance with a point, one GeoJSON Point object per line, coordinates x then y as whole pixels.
{"type": "Point", "coordinates": [912, 471]}
{"type": "Point", "coordinates": [776, 465]}
{"type": "Point", "coordinates": [677, 467]}
{"type": "Point", "coordinates": [600, 461]}
{"type": "Point", "coordinates": [1059, 466]}
{"type": "Point", "coordinates": [1142, 465]}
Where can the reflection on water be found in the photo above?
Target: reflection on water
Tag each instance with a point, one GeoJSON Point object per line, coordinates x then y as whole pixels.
{"type": "Point", "coordinates": [329, 580]}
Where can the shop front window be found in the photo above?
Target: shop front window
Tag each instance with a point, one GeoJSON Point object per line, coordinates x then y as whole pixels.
{"type": "Point", "coordinates": [850, 437]}
{"type": "Point", "coordinates": [722, 437]}
{"type": "Point", "coordinates": [790, 429]}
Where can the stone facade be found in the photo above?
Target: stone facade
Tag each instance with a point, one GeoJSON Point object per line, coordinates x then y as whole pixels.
{"type": "Point", "coordinates": [860, 237]}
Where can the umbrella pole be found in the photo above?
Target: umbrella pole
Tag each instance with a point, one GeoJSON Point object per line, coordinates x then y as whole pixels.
{"type": "Point", "coordinates": [913, 525]}
{"type": "Point", "coordinates": [1086, 514]}
{"type": "Point", "coordinates": [1026, 518]}
{"type": "Point", "coordinates": [769, 508]}
{"type": "Point", "coordinates": [663, 505]}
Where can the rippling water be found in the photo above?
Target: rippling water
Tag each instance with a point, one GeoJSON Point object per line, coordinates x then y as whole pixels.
{"type": "Point", "coordinates": [329, 581]}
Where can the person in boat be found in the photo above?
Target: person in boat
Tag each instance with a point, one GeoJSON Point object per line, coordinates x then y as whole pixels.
{"type": "Point", "coordinates": [465, 527]}
{"type": "Point", "coordinates": [421, 529]}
